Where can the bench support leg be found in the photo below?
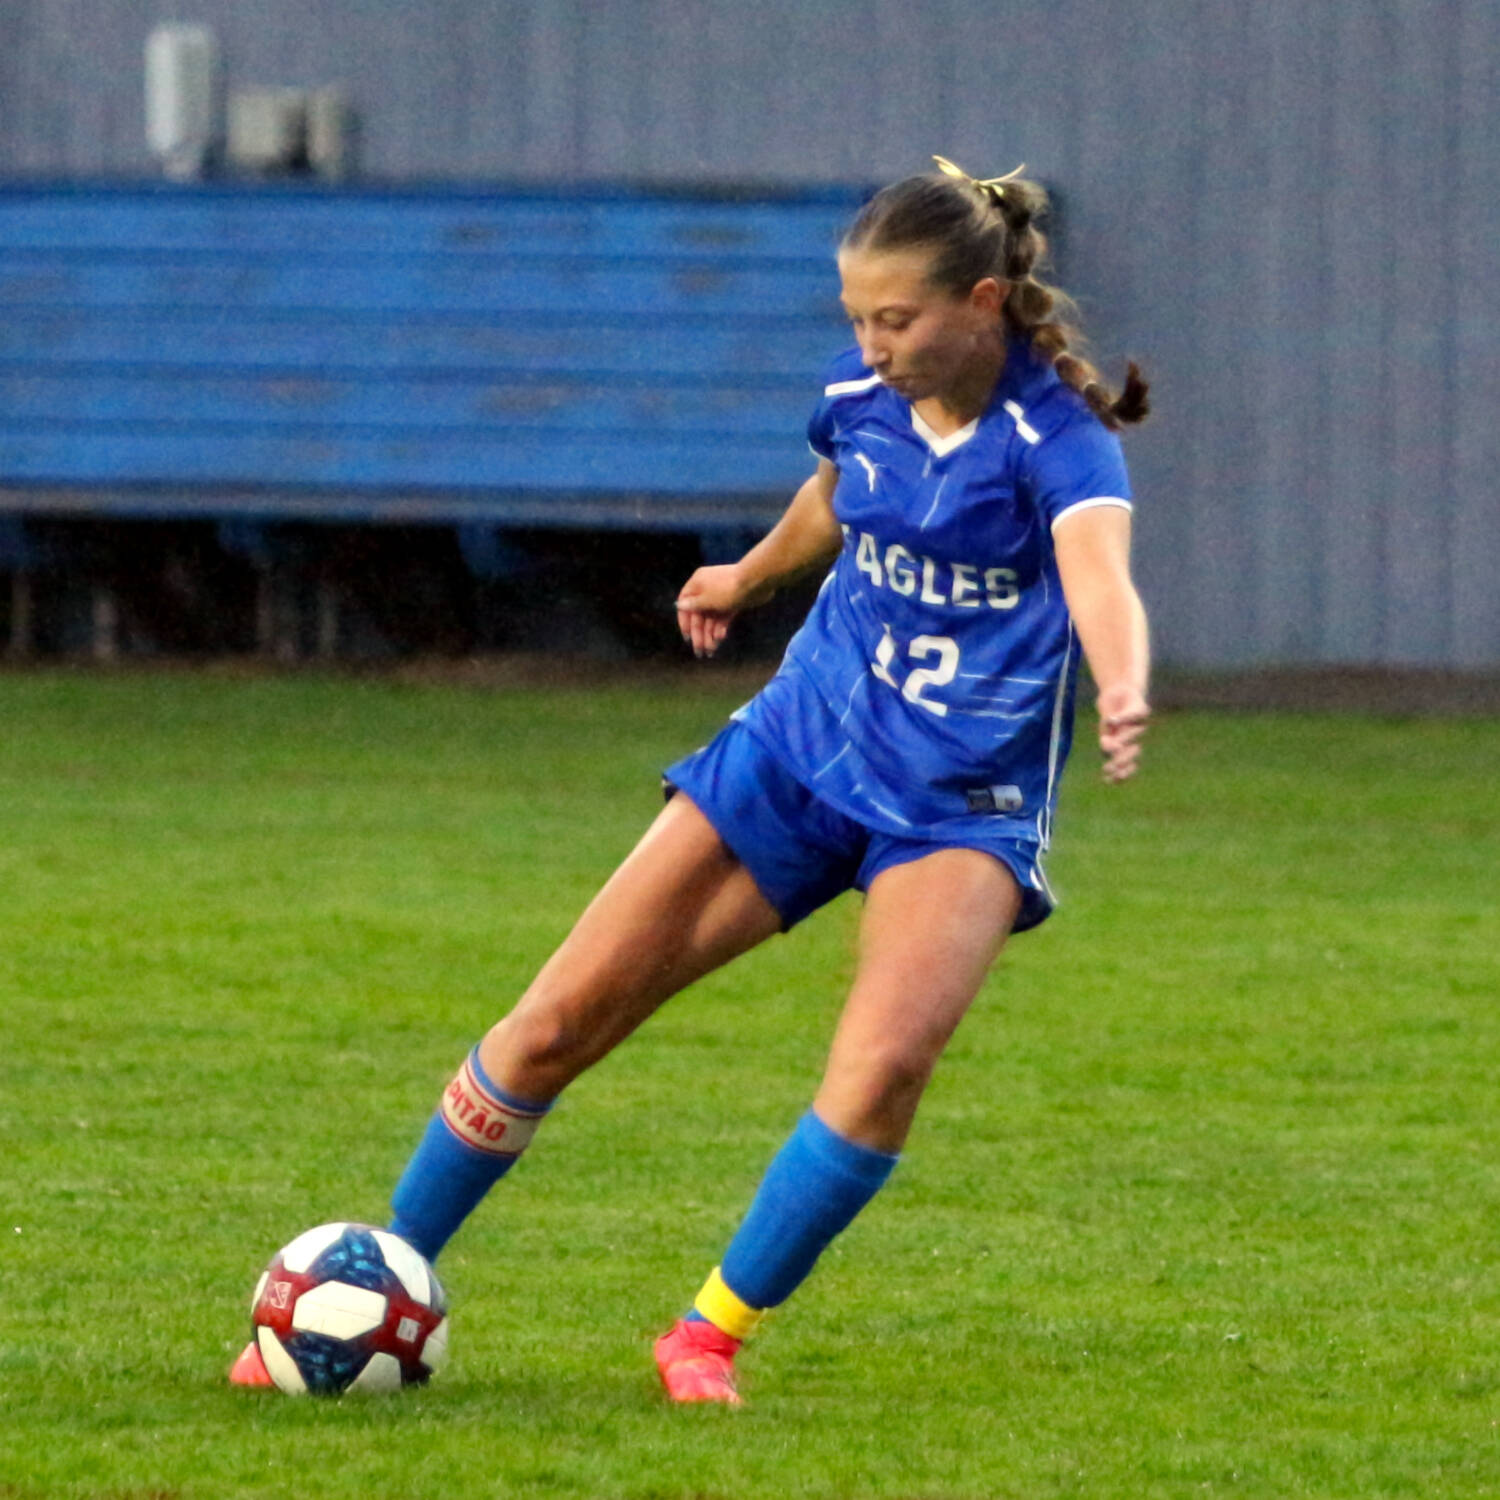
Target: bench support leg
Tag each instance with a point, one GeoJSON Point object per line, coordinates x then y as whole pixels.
{"type": "Point", "coordinates": [276, 615]}
{"type": "Point", "coordinates": [265, 612]}
{"type": "Point", "coordinates": [19, 646]}
{"type": "Point", "coordinates": [106, 617]}
{"type": "Point", "coordinates": [328, 619]}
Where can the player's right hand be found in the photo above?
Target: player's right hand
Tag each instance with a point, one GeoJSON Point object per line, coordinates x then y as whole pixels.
{"type": "Point", "coordinates": [709, 600]}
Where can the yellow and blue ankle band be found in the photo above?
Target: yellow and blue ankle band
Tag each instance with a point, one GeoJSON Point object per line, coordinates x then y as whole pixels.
{"type": "Point", "coordinates": [724, 1310]}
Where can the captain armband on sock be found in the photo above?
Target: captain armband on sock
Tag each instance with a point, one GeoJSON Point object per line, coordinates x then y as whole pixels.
{"type": "Point", "coordinates": [470, 1144]}
{"type": "Point", "coordinates": [484, 1119]}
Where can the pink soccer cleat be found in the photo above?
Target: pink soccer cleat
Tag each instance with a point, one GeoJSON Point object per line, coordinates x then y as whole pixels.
{"type": "Point", "coordinates": [250, 1369]}
{"type": "Point", "coordinates": [696, 1362]}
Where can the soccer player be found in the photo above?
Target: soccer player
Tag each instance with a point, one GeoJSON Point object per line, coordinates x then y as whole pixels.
{"type": "Point", "coordinates": [971, 509]}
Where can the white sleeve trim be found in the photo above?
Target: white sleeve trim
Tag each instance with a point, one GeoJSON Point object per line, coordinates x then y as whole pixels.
{"type": "Point", "coordinates": [1078, 505]}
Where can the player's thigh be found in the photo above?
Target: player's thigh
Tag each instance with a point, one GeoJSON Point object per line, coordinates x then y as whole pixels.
{"type": "Point", "coordinates": [931, 929]}
{"type": "Point", "coordinates": [679, 906]}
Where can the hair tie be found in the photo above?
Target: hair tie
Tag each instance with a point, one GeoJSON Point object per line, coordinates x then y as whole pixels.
{"type": "Point", "coordinates": [995, 185]}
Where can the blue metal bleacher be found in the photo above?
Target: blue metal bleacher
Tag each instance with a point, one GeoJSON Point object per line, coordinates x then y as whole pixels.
{"type": "Point", "coordinates": [507, 357]}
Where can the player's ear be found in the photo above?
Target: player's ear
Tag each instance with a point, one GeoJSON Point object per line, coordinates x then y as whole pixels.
{"type": "Point", "coordinates": [988, 295]}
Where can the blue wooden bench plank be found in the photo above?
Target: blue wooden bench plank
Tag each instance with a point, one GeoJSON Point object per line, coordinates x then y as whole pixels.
{"type": "Point", "coordinates": [220, 339]}
{"type": "Point", "coordinates": [290, 220]}
{"type": "Point", "coordinates": [718, 512]}
{"type": "Point", "coordinates": [520, 459]}
{"type": "Point", "coordinates": [400, 283]}
{"type": "Point", "coordinates": [313, 401]}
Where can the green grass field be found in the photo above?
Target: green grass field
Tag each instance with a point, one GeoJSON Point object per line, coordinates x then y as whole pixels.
{"type": "Point", "coordinates": [1203, 1201]}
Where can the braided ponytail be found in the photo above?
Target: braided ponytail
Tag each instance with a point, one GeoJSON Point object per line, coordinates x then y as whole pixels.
{"type": "Point", "coordinates": [989, 228]}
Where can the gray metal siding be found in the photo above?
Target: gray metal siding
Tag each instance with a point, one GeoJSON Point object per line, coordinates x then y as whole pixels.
{"type": "Point", "coordinates": [1289, 213]}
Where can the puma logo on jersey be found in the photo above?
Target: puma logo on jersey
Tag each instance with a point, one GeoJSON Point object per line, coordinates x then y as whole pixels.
{"type": "Point", "coordinates": [869, 469]}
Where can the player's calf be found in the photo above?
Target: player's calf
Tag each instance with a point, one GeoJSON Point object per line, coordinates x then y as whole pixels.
{"type": "Point", "coordinates": [812, 1191]}
{"type": "Point", "coordinates": [472, 1141]}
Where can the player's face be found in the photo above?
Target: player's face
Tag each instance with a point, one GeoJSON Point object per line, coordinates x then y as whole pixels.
{"type": "Point", "coordinates": [922, 340]}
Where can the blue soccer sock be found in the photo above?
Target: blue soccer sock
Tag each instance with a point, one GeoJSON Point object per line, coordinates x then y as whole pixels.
{"type": "Point", "coordinates": [812, 1190]}
{"type": "Point", "coordinates": [471, 1143]}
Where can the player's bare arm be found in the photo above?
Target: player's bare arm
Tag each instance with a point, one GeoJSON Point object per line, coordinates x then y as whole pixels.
{"type": "Point", "coordinates": [806, 537]}
{"type": "Point", "coordinates": [1093, 559]}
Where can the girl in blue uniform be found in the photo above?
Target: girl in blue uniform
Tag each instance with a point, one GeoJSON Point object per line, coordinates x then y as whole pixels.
{"type": "Point", "coordinates": [971, 510]}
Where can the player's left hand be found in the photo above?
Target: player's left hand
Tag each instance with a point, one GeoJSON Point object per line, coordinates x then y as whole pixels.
{"type": "Point", "coordinates": [1123, 717]}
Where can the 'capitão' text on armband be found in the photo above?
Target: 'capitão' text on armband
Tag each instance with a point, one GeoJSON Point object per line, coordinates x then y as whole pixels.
{"type": "Point", "coordinates": [481, 1120]}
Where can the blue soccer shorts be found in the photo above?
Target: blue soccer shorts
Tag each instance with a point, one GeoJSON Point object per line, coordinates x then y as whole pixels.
{"type": "Point", "coordinates": [801, 852]}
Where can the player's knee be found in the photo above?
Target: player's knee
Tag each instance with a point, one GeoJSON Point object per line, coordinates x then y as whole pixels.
{"type": "Point", "coordinates": [901, 1074]}
{"type": "Point", "coordinates": [544, 1035]}
{"type": "Point", "coordinates": [886, 1080]}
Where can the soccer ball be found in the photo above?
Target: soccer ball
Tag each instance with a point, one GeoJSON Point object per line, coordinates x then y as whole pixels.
{"type": "Point", "coordinates": [348, 1307]}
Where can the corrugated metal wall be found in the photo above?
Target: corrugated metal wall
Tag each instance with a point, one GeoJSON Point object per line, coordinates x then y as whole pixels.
{"type": "Point", "coordinates": [1289, 213]}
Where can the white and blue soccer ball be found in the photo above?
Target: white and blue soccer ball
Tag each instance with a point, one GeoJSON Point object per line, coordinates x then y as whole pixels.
{"type": "Point", "coordinates": [347, 1307]}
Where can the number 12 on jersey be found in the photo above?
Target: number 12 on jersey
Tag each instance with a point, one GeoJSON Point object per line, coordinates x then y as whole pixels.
{"type": "Point", "coordinates": [921, 648]}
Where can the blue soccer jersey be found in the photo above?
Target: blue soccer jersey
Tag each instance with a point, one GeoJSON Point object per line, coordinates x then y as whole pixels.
{"type": "Point", "coordinates": [933, 679]}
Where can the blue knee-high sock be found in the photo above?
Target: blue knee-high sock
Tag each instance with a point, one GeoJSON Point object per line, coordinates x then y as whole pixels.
{"type": "Point", "coordinates": [470, 1144]}
{"type": "Point", "coordinates": [812, 1190]}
